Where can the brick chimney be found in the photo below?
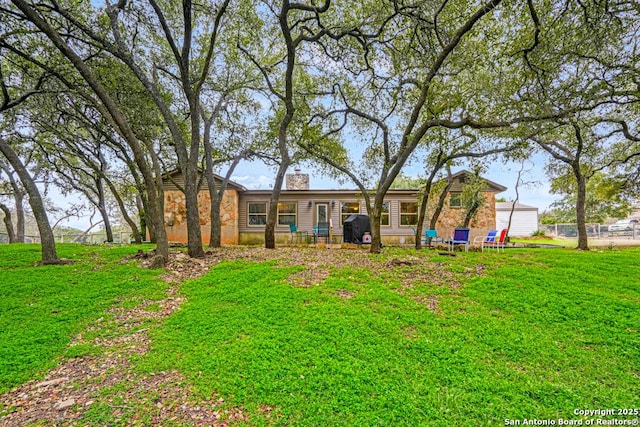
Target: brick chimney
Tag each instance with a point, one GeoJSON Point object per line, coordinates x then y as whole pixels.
{"type": "Point", "coordinates": [297, 180]}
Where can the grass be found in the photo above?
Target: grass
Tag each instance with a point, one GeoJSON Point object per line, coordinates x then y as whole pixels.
{"type": "Point", "coordinates": [43, 308]}
{"type": "Point", "coordinates": [541, 334]}
{"type": "Point", "coordinates": [536, 335]}
{"type": "Point", "coordinates": [545, 240]}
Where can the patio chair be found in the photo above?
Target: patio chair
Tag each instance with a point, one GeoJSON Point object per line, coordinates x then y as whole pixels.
{"type": "Point", "coordinates": [322, 230]}
{"type": "Point", "coordinates": [498, 242]}
{"type": "Point", "coordinates": [297, 236]}
{"type": "Point", "coordinates": [489, 238]}
{"type": "Point", "coordinates": [460, 237]}
{"type": "Point", "coordinates": [431, 237]}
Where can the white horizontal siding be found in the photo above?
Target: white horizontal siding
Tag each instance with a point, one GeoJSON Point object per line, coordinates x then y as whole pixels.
{"type": "Point", "coordinates": [523, 223]}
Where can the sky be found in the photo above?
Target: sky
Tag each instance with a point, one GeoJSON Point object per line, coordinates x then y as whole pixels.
{"type": "Point", "coordinates": [259, 177]}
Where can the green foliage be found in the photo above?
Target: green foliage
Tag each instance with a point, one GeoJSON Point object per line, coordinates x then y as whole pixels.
{"type": "Point", "coordinates": [43, 308]}
{"type": "Point", "coordinates": [605, 199]}
{"type": "Point", "coordinates": [472, 196]}
{"type": "Point", "coordinates": [403, 181]}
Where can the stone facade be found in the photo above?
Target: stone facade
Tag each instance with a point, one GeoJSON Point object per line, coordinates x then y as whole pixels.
{"type": "Point", "coordinates": [451, 217]}
{"type": "Point", "coordinates": [297, 181]}
{"type": "Point", "coordinates": [175, 216]}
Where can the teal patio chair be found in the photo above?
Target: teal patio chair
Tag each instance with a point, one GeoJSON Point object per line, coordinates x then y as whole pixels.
{"type": "Point", "coordinates": [431, 237]}
{"type": "Point", "coordinates": [297, 236]}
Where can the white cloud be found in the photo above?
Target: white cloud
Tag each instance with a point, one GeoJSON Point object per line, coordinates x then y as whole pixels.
{"type": "Point", "coordinates": [254, 182]}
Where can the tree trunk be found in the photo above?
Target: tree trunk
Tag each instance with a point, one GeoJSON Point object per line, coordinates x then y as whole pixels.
{"type": "Point", "coordinates": [374, 218]}
{"type": "Point", "coordinates": [194, 233]}
{"type": "Point", "coordinates": [441, 199]}
{"type": "Point", "coordinates": [18, 197]}
{"type": "Point", "coordinates": [471, 213]}
{"type": "Point", "coordinates": [272, 215]}
{"type": "Point", "coordinates": [157, 220]}
{"type": "Point", "coordinates": [583, 243]}
{"type": "Point", "coordinates": [102, 208]}
{"type": "Point", "coordinates": [49, 254]}
{"type": "Point", "coordinates": [8, 223]}
{"type": "Point", "coordinates": [190, 171]}
{"type": "Point", "coordinates": [422, 213]}
{"type": "Point", "coordinates": [142, 216]}
{"type": "Point", "coordinates": [215, 236]}
{"type": "Point", "coordinates": [517, 199]}
{"type": "Point", "coordinates": [107, 224]}
{"type": "Point", "coordinates": [20, 220]}
{"type": "Point", "coordinates": [125, 215]}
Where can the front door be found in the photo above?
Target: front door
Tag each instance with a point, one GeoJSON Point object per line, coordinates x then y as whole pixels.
{"type": "Point", "coordinates": [322, 212]}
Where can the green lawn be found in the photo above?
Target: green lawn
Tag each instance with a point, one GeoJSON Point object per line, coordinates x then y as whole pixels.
{"type": "Point", "coordinates": [542, 333]}
{"type": "Point", "coordinates": [43, 308]}
{"type": "Point", "coordinates": [474, 340]}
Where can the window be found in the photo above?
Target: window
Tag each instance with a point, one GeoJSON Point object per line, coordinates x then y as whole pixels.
{"type": "Point", "coordinates": [384, 217]}
{"type": "Point", "coordinates": [455, 200]}
{"type": "Point", "coordinates": [257, 213]}
{"type": "Point", "coordinates": [348, 209]}
{"type": "Point", "coordinates": [408, 213]}
{"type": "Point", "coordinates": [287, 213]}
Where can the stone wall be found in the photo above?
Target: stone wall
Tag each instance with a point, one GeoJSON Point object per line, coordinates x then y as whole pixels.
{"type": "Point", "coordinates": [297, 181]}
{"type": "Point", "coordinates": [451, 218]}
{"type": "Point", "coordinates": [175, 216]}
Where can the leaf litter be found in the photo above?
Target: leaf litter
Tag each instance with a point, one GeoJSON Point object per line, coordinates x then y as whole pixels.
{"type": "Point", "coordinates": [68, 392]}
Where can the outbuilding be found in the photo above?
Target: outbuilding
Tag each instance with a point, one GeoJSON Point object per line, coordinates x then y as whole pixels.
{"type": "Point", "coordinates": [524, 221]}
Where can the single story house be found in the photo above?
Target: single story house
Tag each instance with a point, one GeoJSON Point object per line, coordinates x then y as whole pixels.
{"type": "Point", "coordinates": [523, 222]}
{"type": "Point", "coordinates": [244, 212]}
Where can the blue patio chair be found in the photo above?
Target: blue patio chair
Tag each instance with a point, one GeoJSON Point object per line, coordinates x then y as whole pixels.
{"type": "Point", "coordinates": [489, 238]}
{"type": "Point", "coordinates": [460, 237]}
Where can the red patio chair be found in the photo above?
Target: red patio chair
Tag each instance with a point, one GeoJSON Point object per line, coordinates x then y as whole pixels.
{"type": "Point", "coordinates": [497, 242]}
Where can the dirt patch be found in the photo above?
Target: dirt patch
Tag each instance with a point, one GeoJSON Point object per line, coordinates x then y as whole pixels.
{"type": "Point", "coordinates": [430, 301]}
{"type": "Point", "coordinates": [80, 385]}
{"type": "Point", "coordinates": [73, 388]}
{"type": "Point", "coordinates": [308, 277]}
{"type": "Point", "coordinates": [345, 293]}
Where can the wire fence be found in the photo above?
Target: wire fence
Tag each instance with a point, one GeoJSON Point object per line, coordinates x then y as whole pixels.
{"type": "Point", "coordinates": [596, 231]}
{"type": "Point", "coordinates": [89, 239]}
